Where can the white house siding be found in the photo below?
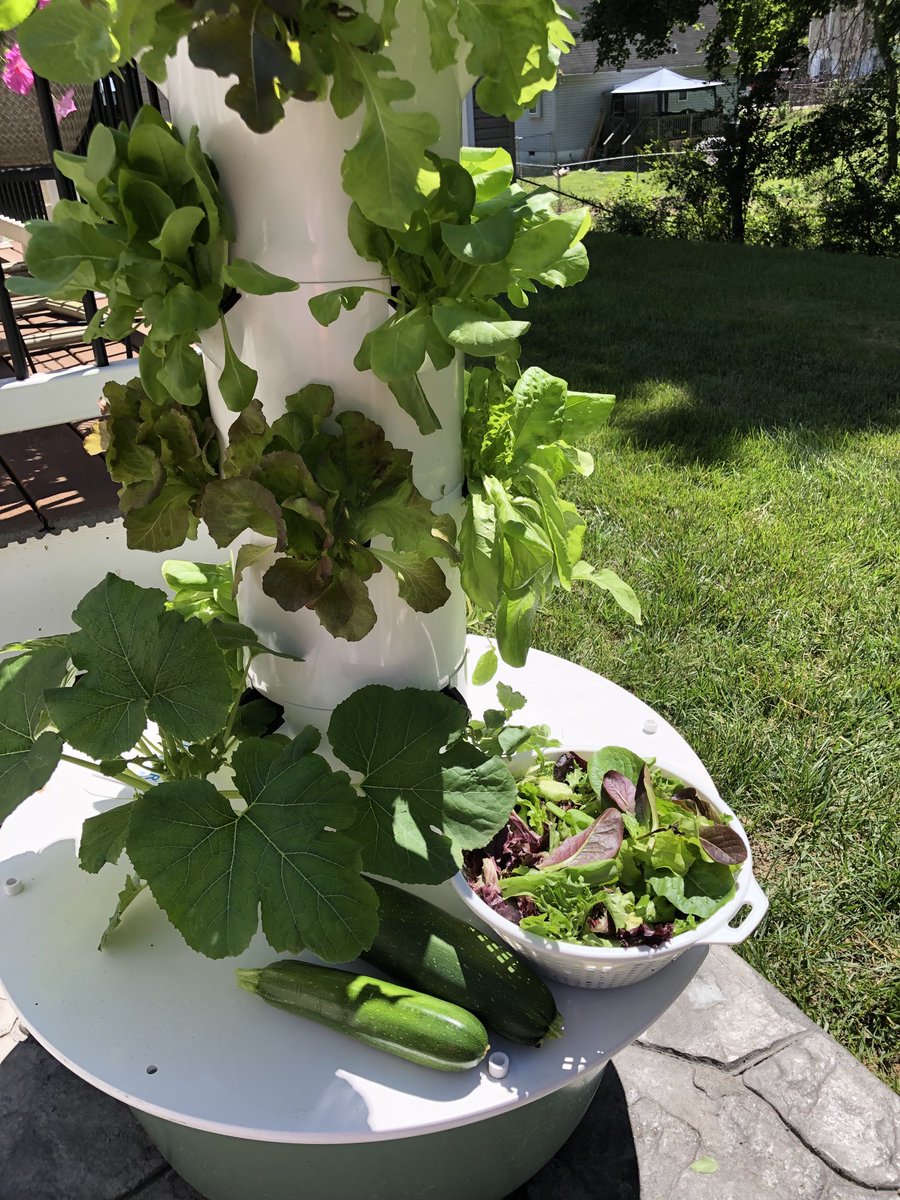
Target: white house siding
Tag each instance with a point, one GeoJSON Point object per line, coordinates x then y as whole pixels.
{"type": "Point", "coordinates": [840, 44]}
{"type": "Point", "coordinates": [563, 131]}
{"type": "Point", "coordinates": [536, 138]}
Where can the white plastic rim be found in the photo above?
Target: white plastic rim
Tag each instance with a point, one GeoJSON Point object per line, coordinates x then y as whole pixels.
{"type": "Point", "coordinates": [598, 966]}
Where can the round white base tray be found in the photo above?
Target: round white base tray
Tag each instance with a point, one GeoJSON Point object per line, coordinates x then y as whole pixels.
{"type": "Point", "coordinates": [169, 1032]}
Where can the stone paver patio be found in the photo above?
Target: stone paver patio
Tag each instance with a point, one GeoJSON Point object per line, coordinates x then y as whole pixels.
{"type": "Point", "coordinates": [733, 1073]}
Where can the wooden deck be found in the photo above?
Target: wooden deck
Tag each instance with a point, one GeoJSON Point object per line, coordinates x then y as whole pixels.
{"type": "Point", "coordinates": [47, 481]}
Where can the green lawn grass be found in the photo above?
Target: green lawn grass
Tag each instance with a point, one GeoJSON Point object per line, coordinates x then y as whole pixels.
{"type": "Point", "coordinates": [749, 489]}
{"type": "Point", "coordinates": [598, 187]}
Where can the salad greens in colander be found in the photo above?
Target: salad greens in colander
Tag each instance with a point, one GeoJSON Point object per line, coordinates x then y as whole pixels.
{"type": "Point", "coordinates": [612, 853]}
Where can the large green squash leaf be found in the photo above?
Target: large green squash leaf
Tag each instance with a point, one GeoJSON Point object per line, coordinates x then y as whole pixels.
{"type": "Point", "coordinates": [425, 802]}
{"type": "Point", "coordinates": [140, 663]}
{"type": "Point", "coordinates": [29, 752]}
{"type": "Point", "coordinates": [211, 869]}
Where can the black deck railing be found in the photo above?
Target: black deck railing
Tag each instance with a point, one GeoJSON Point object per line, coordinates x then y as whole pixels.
{"type": "Point", "coordinates": [116, 99]}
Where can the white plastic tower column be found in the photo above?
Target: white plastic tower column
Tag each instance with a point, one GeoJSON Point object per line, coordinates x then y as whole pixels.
{"type": "Point", "coordinates": [290, 210]}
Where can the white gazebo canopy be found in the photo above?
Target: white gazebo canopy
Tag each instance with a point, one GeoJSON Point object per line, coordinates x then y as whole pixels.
{"type": "Point", "coordinates": [663, 80]}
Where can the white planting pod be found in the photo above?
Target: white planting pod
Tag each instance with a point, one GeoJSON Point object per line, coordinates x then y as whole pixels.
{"type": "Point", "coordinates": [405, 648]}
{"type": "Point", "coordinates": [290, 211]}
{"type": "Point", "coordinates": [257, 328]}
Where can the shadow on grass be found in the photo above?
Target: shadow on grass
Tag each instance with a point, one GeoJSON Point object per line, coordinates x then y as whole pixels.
{"type": "Point", "coordinates": [705, 345]}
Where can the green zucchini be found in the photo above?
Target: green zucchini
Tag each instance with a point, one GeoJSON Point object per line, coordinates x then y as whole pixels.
{"type": "Point", "coordinates": [420, 1028]}
{"type": "Point", "coordinates": [424, 947]}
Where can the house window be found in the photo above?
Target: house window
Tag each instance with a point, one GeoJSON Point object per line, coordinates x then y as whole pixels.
{"type": "Point", "coordinates": [535, 110]}
{"type": "Point", "coordinates": [682, 95]}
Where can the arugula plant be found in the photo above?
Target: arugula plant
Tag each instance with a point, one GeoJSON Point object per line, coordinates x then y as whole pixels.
{"type": "Point", "coordinates": [245, 824]}
{"type": "Point", "coordinates": [610, 852]}
{"type": "Point", "coordinates": [479, 235]}
{"type": "Point", "coordinates": [152, 236]}
{"type": "Point", "coordinates": [520, 538]}
{"type": "Point", "coordinates": [310, 50]}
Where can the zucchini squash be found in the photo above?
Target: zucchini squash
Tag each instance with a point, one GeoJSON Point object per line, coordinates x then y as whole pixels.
{"type": "Point", "coordinates": [422, 1029]}
{"type": "Point", "coordinates": [424, 947]}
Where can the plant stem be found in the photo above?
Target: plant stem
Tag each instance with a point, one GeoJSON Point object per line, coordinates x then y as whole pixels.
{"type": "Point", "coordinates": [126, 776]}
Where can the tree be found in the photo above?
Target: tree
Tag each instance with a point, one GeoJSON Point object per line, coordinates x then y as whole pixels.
{"type": "Point", "coordinates": [757, 40]}
{"type": "Point", "coordinates": [865, 25]}
{"type": "Point", "coordinates": [884, 16]}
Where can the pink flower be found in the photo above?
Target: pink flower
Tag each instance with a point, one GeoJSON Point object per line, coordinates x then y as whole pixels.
{"type": "Point", "coordinates": [65, 105]}
{"type": "Point", "coordinates": [17, 75]}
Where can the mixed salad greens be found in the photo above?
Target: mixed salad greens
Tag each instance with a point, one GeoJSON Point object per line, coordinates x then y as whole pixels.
{"type": "Point", "coordinates": [613, 852]}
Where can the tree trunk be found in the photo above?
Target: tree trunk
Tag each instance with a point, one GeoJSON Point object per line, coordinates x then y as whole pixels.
{"type": "Point", "coordinates": [736, 182]}
{"type": "Point", "coordinates": [884, 45]}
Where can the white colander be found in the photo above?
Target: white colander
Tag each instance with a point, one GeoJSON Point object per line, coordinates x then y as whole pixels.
{"type": "Point", "coordinates": [598, 967]}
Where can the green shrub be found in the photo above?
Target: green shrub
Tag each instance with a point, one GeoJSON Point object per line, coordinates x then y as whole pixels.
{"type": "Point", "coordinates": [784, 213]}
{"type": "Point", "coordinates": [631, 211]}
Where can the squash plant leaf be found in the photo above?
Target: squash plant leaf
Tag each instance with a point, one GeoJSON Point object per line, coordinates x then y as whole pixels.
{"type": "Point", "coordinates": [141, 663]}
{"type": "Point", "coordinates": [131, 889]}
{"type": "Point", "coordinates": [281, 855]}
{"type": "Point", "coordinates": [29, 751]}
{"type": "Point", "coordinates": [423, 802]}
{"type": "Point", "coordinates": [103, 838]}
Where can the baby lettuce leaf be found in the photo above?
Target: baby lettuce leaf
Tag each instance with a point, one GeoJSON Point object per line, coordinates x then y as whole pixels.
{"type": "Point", "coordinates": [723, 844]}
{"type": "Point", "coordinates": [614, 758]}
{"type": "Point", "coordinates": [424, 800]}
{"type": "Point", "coordinates": [29, 750]}
{"type": "Point", "coordinates": [153, 237]}
{"type": "Point", "coordinates": [600, 842]}
{"type": "Point", "coordinates": [279, 856]}
{"type": "Point", "coordinates": [329, 500]}
{"type": "Point", "coordinates": [645, 801]}
{"type": "Point", "coordinates": [619, 788]}
{"type": "Point", "coordinates": [700, 893]}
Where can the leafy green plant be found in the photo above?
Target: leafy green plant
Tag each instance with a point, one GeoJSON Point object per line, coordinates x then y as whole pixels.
{"type": "Point", "coordinates": [240, 824]}
{"type": "Point", "coordinates": [494, 732]}
{"type": "Point", "coordinates": [610, 852]}
{"type": "Point", "coordinates": [335, 499]}
{"type": "Point", "coordinates": [519, 537]}
{"type": "Point", "coordinates": [153, 238]}
{"type": "Point", "coordinates": [163, 454]}
{"type": "Point", "coordinates": [310, 49]}
{"type": "Point", "coordinates": [478, 236]}
{"type": "Point", "coordinates": [339, 505]}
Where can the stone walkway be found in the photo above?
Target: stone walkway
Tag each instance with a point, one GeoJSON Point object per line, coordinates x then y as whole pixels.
{"type": "Point", "coordinates": [733, 1078]}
